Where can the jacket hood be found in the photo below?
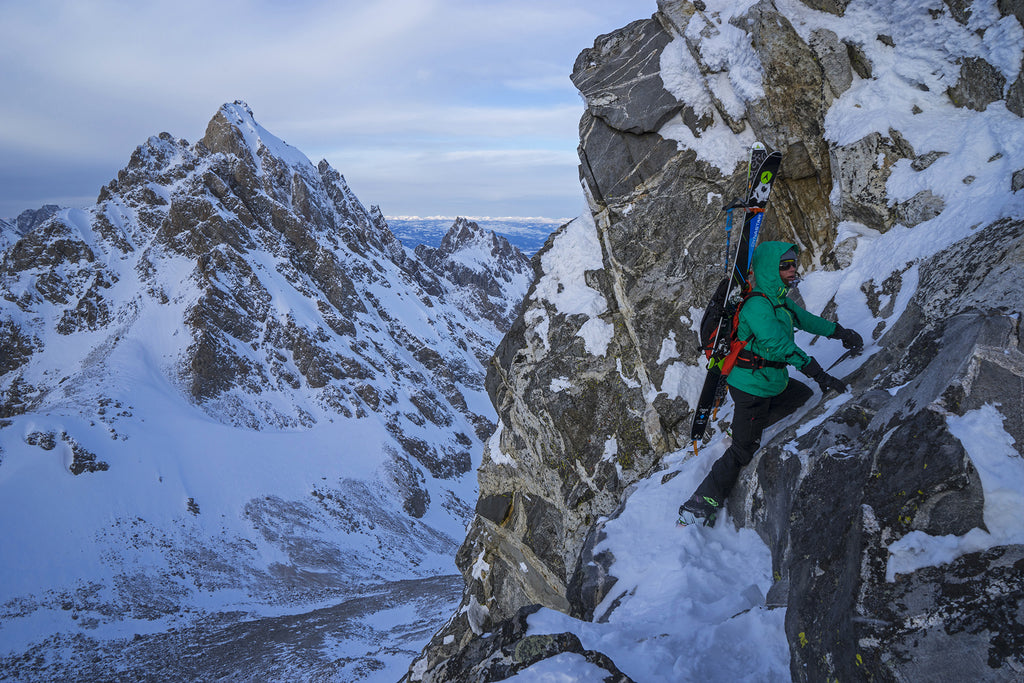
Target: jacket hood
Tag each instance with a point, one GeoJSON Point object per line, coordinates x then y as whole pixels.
{"type": "Point", "coordinates": [765, 267]}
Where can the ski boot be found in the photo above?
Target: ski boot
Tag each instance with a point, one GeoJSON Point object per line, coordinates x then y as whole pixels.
{"type": "Point", "coordinates": [698, 508]}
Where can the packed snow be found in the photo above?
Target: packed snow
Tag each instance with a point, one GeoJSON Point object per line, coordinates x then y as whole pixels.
{"type": "Point", "coordinates": [563, 668]}
{"type": "Point", "coordinates": [573, 252]}
{"type": "Point", "coordinates": [689, 602]}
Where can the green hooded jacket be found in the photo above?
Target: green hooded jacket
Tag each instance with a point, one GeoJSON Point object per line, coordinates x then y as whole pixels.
{"type": "Point", "coordinates": [768, 324]}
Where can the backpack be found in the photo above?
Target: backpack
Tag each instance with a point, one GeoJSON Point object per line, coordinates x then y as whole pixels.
{"type": "Point", "coordinates": [711, 326]}
{"type": "Point", "coordinates": [710, 323]}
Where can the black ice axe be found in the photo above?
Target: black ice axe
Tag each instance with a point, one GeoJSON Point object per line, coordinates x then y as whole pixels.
{"type": "Point", "coordinates": [852, 353]}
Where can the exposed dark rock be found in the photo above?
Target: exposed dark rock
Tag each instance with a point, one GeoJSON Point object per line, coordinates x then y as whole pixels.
{"type": "Point", "coordinates": [958, 621]}
{"type": "Point", "coordinates": [788, 118]}
{"type": "Point", "coordinates": [837, 7]}
{"type": "Point", "coordinates": [411, 485]}
{"type": "Point", "coordinates": [82, 459]}
{"type": "Point", "coordinates": [19, 396]}
{"type": "Point", "coordinates": [45, 440]}
{"type": "Point", "coordinates": [858, 60]}
{"type": "Point", "coordinates": [924, 161]}
{"type": "Point", "coordinates": [1014, 7]}
{"type": "Point", "coordinates": [922, 207]}
{"type": "Point", "coordinates": [960, 10]}
{"type": "Point", "coordinates": [509, 650]}
{"type": "Point", "coordinates": [544, 532]}
{"type": "Point", "coordinates": [864, 168]}
{"type": "Point", "coordinates": [30, 219]}
{"type": "Point", "coordinates": [620, 79]}
{"type": "Point", "coordinates": [592, 579]}
{"type": "Point", "coordinates": [495, 508]}
{"type": "Point", "coordinates": [17, 346]}
{"type": "Point", "coordinates": [615, 163]}
{"type": "Point", "coordinates": [835, 61]}
{"type": "Point", "coordinates": [980, 85]}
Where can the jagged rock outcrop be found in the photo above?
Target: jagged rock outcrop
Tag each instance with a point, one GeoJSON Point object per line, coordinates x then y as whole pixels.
{"type": "Point", "coordinates": [593, 382]}
{"type": "Point", "coordinates": [890, 465]}
{"type": "Point", "coordinates": [482, 265]}
{"type": "Point", "coordinates": [30, 219]}
{"type": "Point", "coordinates": [512, 650]}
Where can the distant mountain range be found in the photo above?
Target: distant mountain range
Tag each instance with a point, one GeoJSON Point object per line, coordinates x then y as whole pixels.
{"type": "Point", "coordinates": [526, 233]}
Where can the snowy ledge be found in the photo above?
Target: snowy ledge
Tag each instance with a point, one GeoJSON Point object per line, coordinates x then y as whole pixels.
{"type": "Point", "coordinates": [1001, 470]}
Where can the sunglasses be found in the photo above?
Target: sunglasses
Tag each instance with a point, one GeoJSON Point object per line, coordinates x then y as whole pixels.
{"type": "Point", "coordinates": [787, 264]}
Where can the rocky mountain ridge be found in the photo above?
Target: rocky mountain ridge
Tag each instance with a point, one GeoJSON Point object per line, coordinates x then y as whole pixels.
{"type": "Point", "coordinates": [218, 201]}
{"type": "Point", "coordinates": [253, 397]}
{"type": "Point", "coordinates": [485, 265]}
{"type": "Point", "coordinates": [905, 227]}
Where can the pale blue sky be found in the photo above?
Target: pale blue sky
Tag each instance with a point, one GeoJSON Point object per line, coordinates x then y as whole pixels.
{"type": "Point", "coordinates": [427, 107]}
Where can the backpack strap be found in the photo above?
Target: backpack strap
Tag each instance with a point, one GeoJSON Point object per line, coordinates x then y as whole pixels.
{"type": "Point", "coordinates": [745, 358]}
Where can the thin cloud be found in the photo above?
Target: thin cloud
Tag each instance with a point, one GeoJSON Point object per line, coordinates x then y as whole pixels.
{"type": "Point", "coordinates": [447, 121]}
{"type": "Point", "coordinates": [435, 77]}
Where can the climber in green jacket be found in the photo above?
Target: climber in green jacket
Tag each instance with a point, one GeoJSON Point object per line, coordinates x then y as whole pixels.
{"type": "Point", "coordinates": [759, 384]}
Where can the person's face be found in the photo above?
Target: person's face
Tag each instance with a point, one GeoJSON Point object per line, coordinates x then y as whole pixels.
{"type": "Point", "coordinates": [787, 271]}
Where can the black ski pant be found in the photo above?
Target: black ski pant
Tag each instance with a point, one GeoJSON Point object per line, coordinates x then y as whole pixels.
{"type": "Point", "coordinates": [750, 418]}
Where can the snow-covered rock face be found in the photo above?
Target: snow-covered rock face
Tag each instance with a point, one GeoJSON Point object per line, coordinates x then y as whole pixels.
{"type": "Point", "coordinates": [902, 139]}
{"type": "Point", "coordinates": [287, 288]}
{"type": "Point", "coordinates": [243, 391]}
{"type": "Point", "coordinates": [484, 266]}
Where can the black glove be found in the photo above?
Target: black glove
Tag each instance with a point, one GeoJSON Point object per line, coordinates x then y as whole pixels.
{"type": "Point", "coordinates": [824, 380]}
{"type": "Point", "coordinates": [850, 338]}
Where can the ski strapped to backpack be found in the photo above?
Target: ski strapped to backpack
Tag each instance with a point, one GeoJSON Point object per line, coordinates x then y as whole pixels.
{"type": "Point", "coordinates": [719, 317]}
{"type": "Point", "coordinates": [739, 355]}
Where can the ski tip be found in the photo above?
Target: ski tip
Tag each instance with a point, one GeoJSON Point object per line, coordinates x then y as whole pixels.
{"type": "Point", "coordinates": [695, 451]}
{"type": "Point", "coordinates": [758, 145]}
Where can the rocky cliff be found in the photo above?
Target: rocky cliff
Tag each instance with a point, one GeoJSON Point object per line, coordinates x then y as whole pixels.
{"type": "Point", "coordinates": [901, 132]}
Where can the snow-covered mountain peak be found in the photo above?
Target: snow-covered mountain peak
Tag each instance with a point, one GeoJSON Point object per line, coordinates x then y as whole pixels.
{"type": "Point", "coordinates": [279, 292]}
{"type": "Point", "coordinates": [486, 263]}
{"type": "Point", "coordinates": [234, 130]}
{"type": "Point", "coordinates": [470, 243]}
{"type": "Point", "coordinates": [462, 232]}
{"type": "Point", "coordinates": [245, 386]}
